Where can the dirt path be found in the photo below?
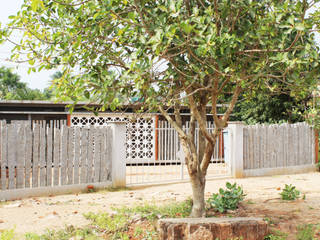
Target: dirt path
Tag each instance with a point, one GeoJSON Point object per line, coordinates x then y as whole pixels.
{"type": "Point", "coordinates": [38, 214]}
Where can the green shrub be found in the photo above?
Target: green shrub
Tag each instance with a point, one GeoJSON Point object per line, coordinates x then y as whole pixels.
{"type": "Point", "coordinates": [305, 232]}
{"type": "Point", "coordinates": [7, 234]}
{"type": "Point", "coordinates": [226, 199]}
{"type": "Point", "coordinates": [290, 193]}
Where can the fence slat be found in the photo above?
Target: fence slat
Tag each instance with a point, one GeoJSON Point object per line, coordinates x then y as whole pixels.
{"type": "Point", "coordinates": [35, 162]}
{"type": "Point", "coordinates": [103, 157]}
{"type": "Point", "coordinates": [28, 155]}
{"type": "Point", "coordinates": [12, 154]}
{"type": "Point", "coordinates": [84, 155]}
{"type": "Point", "coordinates": [49, 155]}
{"type": "Point", "coordinates": [70, 162]}
{"type": "Point", "coordinates": [97, 153]}
{"type": "Point", "coordinates": [64, 156]}
{"type": "Point", "coordinates": [4, 156]}
{"type": "Point", "coordinates": [20, 156]}
{"type": "Point", "coordinates": [108, 155]}
{"type": "Point", "coordinates": [76, 155]}
{"type": "Point", "coordinates": [56, 155]}
{"type": "Point", "coordinates": [42, 156]}
{"type": "Point", "coordinates": [90, 156]}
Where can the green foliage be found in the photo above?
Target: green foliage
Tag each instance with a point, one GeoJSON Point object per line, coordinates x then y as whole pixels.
{"type": "Point", "coordinates": [112, 224]}
{"type": "Point", "coordinates": [226, 198]}
{"type": "Point", "coordinates": [68, 233]}
{"type": "Point", "coordinates": [276, 235]}
{"type": "Point", "coordinates": [11, 88]}
{"type": "Point", "coordinates": [154, 211]}
{"type": "Point", "coordinates": [290, 193]}
{"type": "Point", "coordinates": [7, 234]}
{"type": "Point", "coordinates": [268, 107]}
{"type": "Point", "coordinates": [305, 232]}
{"type": "Point", "coordinates": [117, 45]}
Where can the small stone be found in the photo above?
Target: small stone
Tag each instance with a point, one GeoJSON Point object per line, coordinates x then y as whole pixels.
{"type": "Point", "coordinates": [13, 205]}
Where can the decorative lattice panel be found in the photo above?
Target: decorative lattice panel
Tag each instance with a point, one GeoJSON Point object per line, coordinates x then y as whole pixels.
{"type": "Point", "coordinates": [140, 139]}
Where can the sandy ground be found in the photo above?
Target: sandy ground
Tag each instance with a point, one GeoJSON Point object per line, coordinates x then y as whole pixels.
{"type": "Point", "coordinates": [39, 214]}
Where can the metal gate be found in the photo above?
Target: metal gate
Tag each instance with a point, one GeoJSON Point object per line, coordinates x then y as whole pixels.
{"type": "Point", "coordinates": [167, 163]}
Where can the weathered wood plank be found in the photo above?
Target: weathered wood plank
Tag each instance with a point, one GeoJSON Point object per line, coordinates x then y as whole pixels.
{"type": "Point", "coordinates": [28, 155]}
{"type": "Point", "coordinates": [49, 155]}
{"type": "Point", "coordinates": [42, 156]}
{"type": "Point", "coordinates": [70, 162]}
{"type": "Point", "coordinates": [90, 155]}
{"type": "Point", "coordinates": [245, 148]}
{"type": "Point", "coordinates": [83, 155]}
{"type": "Point", "coordinates": [251, 149]}
{"type": "Point", "coordinates": [313, 145]}
{"type": "Point", "coordinates": [35, 163]}
{"type": "Point", "coordinates": [76, 174]}
{"type": "Point", "coordinates": [262, 146]}
{"type": "Point", "coordinates": [280, 145]}
{"type": "Point", "coordinates": [20, 156]}
{"type": "Point", "coordinates": [64, 155]}
{"type": "Point", "coordinates": [56, 155]}
{"type": "Point", "coordinates": [108, 158]}
{"type": "Point", "coordinates": [255, 147]}
{"type": "Point", "coordinates": [103, 163]}
{"type": "Point", "coordinates": [12, 154]}
{"type": "Point", "coordinates": [4, 156]}
{"type": "Point", "coordinates": [97, 155]}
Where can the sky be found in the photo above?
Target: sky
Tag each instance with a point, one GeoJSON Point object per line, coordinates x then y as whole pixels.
{"type": "Point", "coordinates": [38, 80]}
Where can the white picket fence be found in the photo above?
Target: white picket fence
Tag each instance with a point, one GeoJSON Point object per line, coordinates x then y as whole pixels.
{"type": "Point", "coordinates": [49, 156]}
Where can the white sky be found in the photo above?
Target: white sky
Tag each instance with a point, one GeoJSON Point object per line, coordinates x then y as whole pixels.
{"type": "Point", "coordinates": [38, 80]}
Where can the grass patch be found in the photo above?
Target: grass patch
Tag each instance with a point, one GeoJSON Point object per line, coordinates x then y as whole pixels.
{"type": "Point", "coordinates": [153, 212]}
{"type": "Point", "coordinates": [276, 235]}
{"type": "Point", "coordinates": [70, 232]}
{"type": "Point", "coordinates": [7, 234]}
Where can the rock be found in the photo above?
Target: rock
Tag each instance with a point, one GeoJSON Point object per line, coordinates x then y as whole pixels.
{"type": "Point", "coordinates": [13, 205]}
{"type": "Point", "coordinates": [1, 221]}
{"type": "Point", "coordinates": [212, 228]}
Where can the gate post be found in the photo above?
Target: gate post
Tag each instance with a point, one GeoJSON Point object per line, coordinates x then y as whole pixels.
{"type": "Point", "coordinates": [235, 148]}
{"type": "Point", "coordinates": [118, 149]}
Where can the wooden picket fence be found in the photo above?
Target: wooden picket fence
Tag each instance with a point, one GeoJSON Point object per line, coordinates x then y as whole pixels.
{"type": "Point", "coordinates": [278, 145]}
{"type": "Point", "coordinates": [50, 155]}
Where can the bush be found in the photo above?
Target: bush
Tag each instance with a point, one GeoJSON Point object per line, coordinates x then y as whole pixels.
{"type": "Point", "coordinates": [226, 199]}
{"type": "Point", "coordinates": [290, 193]}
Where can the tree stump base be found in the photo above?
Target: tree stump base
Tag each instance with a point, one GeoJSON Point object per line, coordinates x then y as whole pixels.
{"type": "Point", "coordinates": [213, 228]}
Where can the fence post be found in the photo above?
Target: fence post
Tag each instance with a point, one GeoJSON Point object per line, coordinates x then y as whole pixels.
{"type": "Point", "coordinates": [118, 154]}
{"type": "Point", "coordinates": [235, 148]}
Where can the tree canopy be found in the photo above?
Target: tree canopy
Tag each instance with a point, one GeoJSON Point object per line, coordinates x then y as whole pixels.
{"type": "Point", "coordinates": [11, 88]}
{"type": "Point", "coordinates": [172, 53]}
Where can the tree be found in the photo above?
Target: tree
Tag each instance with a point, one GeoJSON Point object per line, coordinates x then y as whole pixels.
{"type": "Point", "coordinates": [10, 83]}
{"type": "Point", "coordinates": [169, 54]}
{"type": "Point", "coordinates": [267, 107]}
{"type": "Point", "coordinates": [11, 88]}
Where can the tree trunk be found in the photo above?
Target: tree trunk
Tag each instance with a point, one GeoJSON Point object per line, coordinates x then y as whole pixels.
{"type": "Point", "coordinates": [198, 183]}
